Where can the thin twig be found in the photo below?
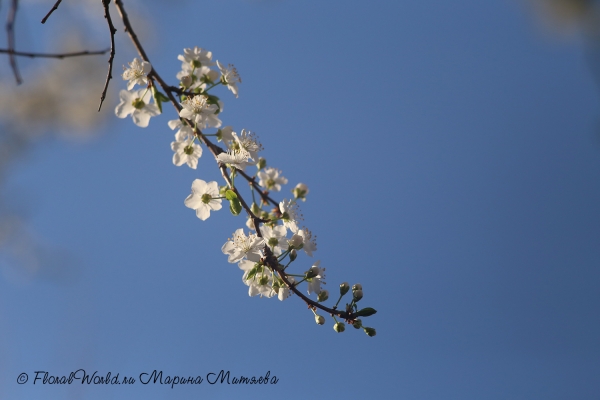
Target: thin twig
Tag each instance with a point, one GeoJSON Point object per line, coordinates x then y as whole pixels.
{"type": "Point", "coordinates": [51, 11]}
{"type": "Point", "coordinates": [270, 260]}
{"type": "Point", "coordinates": [52, 55]}
{"type": "Point", "coordinates": [112, 30]}
{"type": "Point", "coordinates": [10, 33]}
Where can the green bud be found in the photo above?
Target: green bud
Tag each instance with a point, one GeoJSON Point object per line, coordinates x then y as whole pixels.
{"type": "Point", "coordinates": [319, 319]}
{"type": "Point", "coordinates": [261, 163]}
{"type": "Point", "coordinates": [293, 255]}
{"type": "Point", "coordinates": [357, 324]}
{"type": "Point", "coordinates": [370, 331]}
{"type": "Point", "coordinates": [322, 296]}
{"type": "Point", "coordinates": [357, 286]}
{"type": "Point", "coordinates": [255, 209]}
{"type": "Point", "coordinates": [357, 295]}
{"type": "Point", "coordinates": [339, 327]}
{"type": "Point", "coordinates": [344, 287]}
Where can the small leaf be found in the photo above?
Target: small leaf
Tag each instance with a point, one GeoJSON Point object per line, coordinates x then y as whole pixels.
{"type": "Point", "coordinates": [230, 195]}
{"type": "Point", "coordinates": [365, 312]}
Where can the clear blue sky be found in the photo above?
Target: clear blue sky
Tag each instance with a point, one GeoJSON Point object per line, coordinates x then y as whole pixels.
{"type": "Point", "coordinates": [453, 157]}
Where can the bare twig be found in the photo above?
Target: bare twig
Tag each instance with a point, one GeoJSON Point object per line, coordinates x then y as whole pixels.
{"type": "Point", "coordinates": [53, 55]}
{"type": "Point", "coordinates": [10, 33]}
{"type": "Point", "coordinates": [112, 30]}
{"type": "Point", "coordinates": [51, 11]}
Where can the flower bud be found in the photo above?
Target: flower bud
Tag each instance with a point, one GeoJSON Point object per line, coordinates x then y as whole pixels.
{"type": "Point", "coordinates": [255, 209]}
{"type": "Point", "coordinates": [357, 323]}
{"type": "Point", "coordinates": [344, 287]}
{"type": "Point", "coordinates": [319, 319]}
{"type": "Point", "coordinates": [296, 241]}
{"type": "Point", "coordinates": [293, 255]}
{"type": "Point", "coordinates": [370, 331]}
{"type": "Point", "coordinates": [322, 296]}
{"type": "Point", "coordinates": [261, 163]}
{"type": "Point", "coordinates": [186, 81]}
{"type": "Point", "coordinates": [357, 295]}
{"type": "Point", "coordinates": [357, 286]}
{"type": "Point", "coordinates": [211, 76]}
{"type": "Point", "coordinates": [300, 191]}
{"type": "Point", "coordinates": [340, 327]}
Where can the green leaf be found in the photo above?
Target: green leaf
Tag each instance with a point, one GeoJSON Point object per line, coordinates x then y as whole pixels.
{"type": "Point", "coordinates": [159, 98]}
{"type": "Point", "coordinates": [230, 195]}
{"type": "Point", "coordinates": [365, 312]}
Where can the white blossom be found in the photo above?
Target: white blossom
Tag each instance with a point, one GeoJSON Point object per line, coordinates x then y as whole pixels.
{"type": "Point", "coordinates": [230, 77]}
{"type": "Point", "coordinates": [274, 237]}
{"type": "Point", "coordinates": [284, 292]}
{"type": "Point", "coordinates": [137, 104]}
{"type": "Point", "coordinates": [235, 158]}
{"type": "Point", "coordinates": [136, 73]}
{"type": "Point", "coordinates": [225, 135]}
{"type": "Point", "coordinates": [310, 243]}
{"type": "Point", "coordinates": [261, 283]}
{"type": "Point", "coordinates": [290, 214]}
{"type": "Point", "coordinates": [195, 58]}
{"type": "Point", "coordinates": [186, 152]}
{"type": "Point", "coordinates": [198, 109]}
{"type": "Point", "coordinates": [314, 283]}
{"type": "Point", "coordinates": [269, 178]}
{"type": "Point", "coordinates": [204, 198]}
{"type": "Point", "coordinates": [247, 141]}
{"type": "Point", "coordinates": [242, 246]}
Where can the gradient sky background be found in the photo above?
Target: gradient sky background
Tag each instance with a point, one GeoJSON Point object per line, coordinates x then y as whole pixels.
{"type": "Point", "coordinates": [452, 152]}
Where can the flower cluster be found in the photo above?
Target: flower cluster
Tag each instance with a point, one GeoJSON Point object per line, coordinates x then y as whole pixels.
{"type": "Point", "coordinates": [268, 251]}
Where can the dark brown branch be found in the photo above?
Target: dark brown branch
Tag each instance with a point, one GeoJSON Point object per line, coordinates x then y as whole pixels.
{"type": "Point", "coordinates": [51, 11]}
{"type": "Point", "coordinates": [112, 30]}
{"type": "Point", "coordinates": [10, 33]}
{"type": "Point", "coordinates": [53, 55]}
{"type": "Point", "coordinates": [269, 258]}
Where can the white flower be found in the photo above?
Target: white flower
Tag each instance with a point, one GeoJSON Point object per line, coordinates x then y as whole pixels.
{"type": "Point", "coordinates": [198, 110]}
{"type": "Point", "coordinates": [186, 152]}
{"type": "Point", "coordinates": [285, 292]}
{"type": "Point", "coordinates": [204, 198]}
{"type": "Point", "coordinates": [246, 141]}
{"type": "Point", "coordinates": [136, 73]}
{"type": "Point", "coordinates": [225, 135]}
{"type": "Point", "coordinates": [185, 132]}
{"type": "Point", "coordinates": [295, 241]}
{"type": "Point", "coordinates": [261, 280]}
{"type": "Point", "coordinates": [236, 159]}
{"type": "Point", "coordinates": [310, 243]}
{"type": "Point", "coordinates": [243, 246]}
{"type": "Point", "coordinates": [137, 104]}
{"type": "Point", "coordinates": [269, 178]}
{"type": "Point", "coordinates": [195, 58]}
{"type": "Point", "coordinates": [274, 237]}
{"type": "Point", "coordinates": [230, 77]}
{"type": "Point", "coordinates": [290, 214]}
{"type": "Point", "coordinates": [314, 283]}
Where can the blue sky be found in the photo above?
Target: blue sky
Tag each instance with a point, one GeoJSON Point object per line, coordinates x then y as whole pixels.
{"type": "Point", "coordinates": [453, 159]}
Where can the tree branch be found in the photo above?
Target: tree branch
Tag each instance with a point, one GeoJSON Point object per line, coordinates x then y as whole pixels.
{"type": "Point", "coordinates": [270, 260]}
{"type": "Point", "coordinates": [51, 11]}
{"type": "Point", "coordinates": [53, 55]}
{"type": "Point", "coordinates": [10, 33]}
{"type": "Point", "coordinates": [112, 30]}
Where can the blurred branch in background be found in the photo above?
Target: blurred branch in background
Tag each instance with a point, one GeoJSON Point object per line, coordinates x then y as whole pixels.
{"type": "Point", "coordinates": [45, 110]}
{"type": "Point", "coordinates": [58, 100]}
